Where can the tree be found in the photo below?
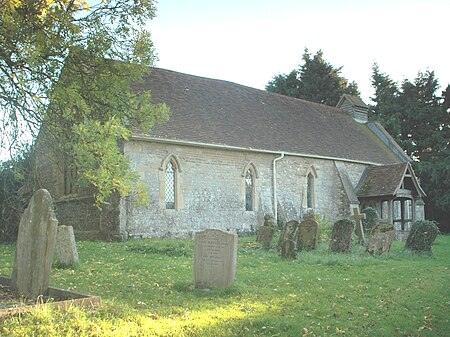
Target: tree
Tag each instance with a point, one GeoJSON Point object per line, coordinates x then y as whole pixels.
{"type": "Point", "coordinates": [15, 189]}
{"type": "Point", "coordinates": [419, 121]}
{"type": "Point", "coordinates": [285, 84]}
{"type": "Point", "coordinates": [71, 64]}
{"type": "Point", "coordinates": [387, 107]}
{"type": "Point", "coordinates": [316, 80]}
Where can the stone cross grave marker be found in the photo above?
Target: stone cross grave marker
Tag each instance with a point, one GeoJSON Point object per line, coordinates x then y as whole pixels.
{"type": "Point", "coordinates": [66, 249]}
{"type": "Point", "coordinates": [341, 236]}
{"type": "Point", "coordinates": [35, 247]}
{"type": "Point", "coordinates": [215, 258]}
{"type": "Point", "coordinates": [308, 235]}
{"type": "Point", "coordinates": [381, 238]}
{"type": "Point", "coordinates": [357, 217]}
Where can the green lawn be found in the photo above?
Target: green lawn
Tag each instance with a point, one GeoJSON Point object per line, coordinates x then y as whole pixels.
{"type": "Point", "coordinates": [147, 289]}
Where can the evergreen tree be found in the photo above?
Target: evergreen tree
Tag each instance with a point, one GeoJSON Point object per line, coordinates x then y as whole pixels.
{"type": "Point", "coordinates": [419, 121]}
{"type": "Point", "coordinates": [387, 106]}
{"type": "Point", "coordinates": [316, 80]}
{"type": "Point", "coordinates": [285, 84]}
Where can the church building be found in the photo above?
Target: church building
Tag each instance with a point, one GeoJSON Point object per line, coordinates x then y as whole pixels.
{"type": "Point", "coordinates": [230, 154]}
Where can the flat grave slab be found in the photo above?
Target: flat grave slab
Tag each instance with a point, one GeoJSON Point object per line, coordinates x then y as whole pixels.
{"type": "Point", "coordinates": [55, 297]}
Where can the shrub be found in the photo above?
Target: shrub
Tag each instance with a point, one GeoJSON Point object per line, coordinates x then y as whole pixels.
{"type": "Point", "coordinates": [371, 218]}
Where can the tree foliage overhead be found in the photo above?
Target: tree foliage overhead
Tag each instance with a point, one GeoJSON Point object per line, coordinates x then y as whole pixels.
{"type": "Point", "coordinates": [418, 118]}
{"type": "Point", "coordinates": [72, 63]}
{"type": "Point", "coordinates": [316, 80]}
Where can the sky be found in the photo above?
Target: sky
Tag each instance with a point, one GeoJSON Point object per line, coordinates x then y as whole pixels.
{"type": "Point", "coordinates": [250, 41]}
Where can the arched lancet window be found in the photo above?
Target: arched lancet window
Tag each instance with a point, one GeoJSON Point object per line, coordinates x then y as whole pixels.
{"type": "Point", "coordinates": [170, 186]}
{"type": "Point", "coordinates": [249, 190]}
{"type": "Point", "coordinates": [170, 182]}
{"type": "Point", "coordinates": [310, 191]}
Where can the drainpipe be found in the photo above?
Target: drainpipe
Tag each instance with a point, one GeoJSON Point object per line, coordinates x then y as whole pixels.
{"type": "Point", "coordinates": [275, 203]}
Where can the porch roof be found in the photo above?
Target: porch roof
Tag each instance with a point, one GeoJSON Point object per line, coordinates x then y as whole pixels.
{"type": "Point", "coordinates": [386, 180]}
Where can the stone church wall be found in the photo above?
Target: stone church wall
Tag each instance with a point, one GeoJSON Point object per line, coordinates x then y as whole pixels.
{"type": "Point", "coordinates": [211, 189]}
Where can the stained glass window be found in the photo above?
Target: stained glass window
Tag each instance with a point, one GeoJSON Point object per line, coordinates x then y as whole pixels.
{"type": "Point", "coordinates": [170, 186]}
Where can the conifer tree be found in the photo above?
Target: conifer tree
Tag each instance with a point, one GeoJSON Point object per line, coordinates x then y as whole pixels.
{"type": "Point", "coordinates": [316, 80]}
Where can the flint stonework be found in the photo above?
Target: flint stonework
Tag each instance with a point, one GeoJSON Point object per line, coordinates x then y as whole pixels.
{"type": "Point", "coordinates": [35, 246]}
{"type": "Point", "coordinates": [215, 258]}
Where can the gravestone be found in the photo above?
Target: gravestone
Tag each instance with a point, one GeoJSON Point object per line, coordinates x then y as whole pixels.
{"type": "Point", "coordinates": [357, 217]}
{"type": "Point", "coordinates": [266, 232]}
{"type": "Point", "coordinates": [286, 244]}
{"type": "Point", "coordinates": [308, 235]}
{"type": "Point", "coordinates": [381, 237]}
{"type": "Point", "coordinates": [421, 237]}
{"type": "Point", "coordinates": [341, 236]}
{"type": "Point", "coordinates": [66, 250]}
{"type": "Point", "coordinates": [35, 247]}
{"type": "Point", "coordinates": [215, 258]}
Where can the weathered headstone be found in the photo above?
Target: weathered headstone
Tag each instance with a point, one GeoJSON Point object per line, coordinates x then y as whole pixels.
{"type": "Point", "coordinates": [308, 235]}
{"type": "Point", "coordinates": [266, 232]}
{"type": "Point", "coordinates": [341, 236]}
{"type": "Point", "coordinates": [215, 258]}
{"type": "Point", "coordinates": [421, 237]}
{"type": "Point", "coordinates": [66, 250]}
{"type": "Point", "coordinates": [357, 217]}
{"type": "Point", "coordinates": [35, 246]}
{"type": "Point", "coordinates": [381, 238]}
{"type": "Point", "coordinates": [287, 240]}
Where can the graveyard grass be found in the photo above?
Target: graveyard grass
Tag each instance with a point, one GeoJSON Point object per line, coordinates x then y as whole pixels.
{"type": "Point", "coordinates": [147, 289]}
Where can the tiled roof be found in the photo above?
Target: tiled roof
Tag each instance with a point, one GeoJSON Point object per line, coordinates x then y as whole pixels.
{"type": "Point", "coordinates": [382, 180]}
{"type": "Point", "coordinates": [223, 113]}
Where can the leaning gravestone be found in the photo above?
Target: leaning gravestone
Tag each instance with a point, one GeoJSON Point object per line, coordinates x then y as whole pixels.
{"type": "Point", "coordinates": [266, 232]}
{"type": "Point", "coordinates": [421, 237]}
{"type": "Point", "coordinates": [215, 258]}
{"type": "Point", "coordinates": [381, 238]}
{"type": "Point", "coordinates": [286, 244]}
{"type": "Point", "coordinates": [341, 236]}
{"type": "Point", "coordinates": [308, 235]}
{"type": "Point", "coordinates": [66, 249]}
{"type": "Point", "coordinates": [35, 247]}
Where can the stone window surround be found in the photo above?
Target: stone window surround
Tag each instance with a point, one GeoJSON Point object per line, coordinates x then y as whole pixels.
{"type": "Point", "coordinates": [171, 158]}
{"type": "Point", "coordinates": [250, 167]}
{"type": "Point", "coordinates": [311, 172]}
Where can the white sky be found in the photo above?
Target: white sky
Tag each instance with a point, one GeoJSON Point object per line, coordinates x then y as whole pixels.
{"type": "Point", "coordinates": [250, 41]}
